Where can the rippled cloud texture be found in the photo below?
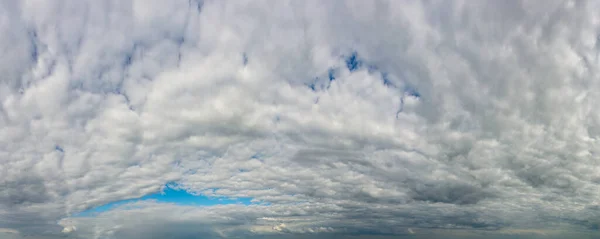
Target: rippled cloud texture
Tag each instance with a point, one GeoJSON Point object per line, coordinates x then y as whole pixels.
{"type": "Point", "coordinates": [339, 119]}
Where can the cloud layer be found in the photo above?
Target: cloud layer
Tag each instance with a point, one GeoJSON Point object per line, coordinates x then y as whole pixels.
{"type": "Point", "coordinates": [366, 119]}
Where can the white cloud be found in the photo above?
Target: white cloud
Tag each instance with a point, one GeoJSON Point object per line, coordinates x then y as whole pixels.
{"type": "Point", "coordinates": [280, 227]}
{"type": "Point", "coordinates": [69, 229]}
{"type": "Point", "coordinates": [462, 115]}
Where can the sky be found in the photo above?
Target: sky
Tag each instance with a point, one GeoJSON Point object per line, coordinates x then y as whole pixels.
{"type": "Point", "coordinates": [381, 119]}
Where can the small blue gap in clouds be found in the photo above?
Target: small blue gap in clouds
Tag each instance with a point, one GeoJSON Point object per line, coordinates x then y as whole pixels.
{"type": "Point", "coordinates": [372, 68]}
{"type": "Point", "coordinates": [256, 156]}
{"type": "Point", "coordinates": [412, 92]}
{"type": "Point", "coordinates": [386, 80]}
{"type": "Point", "coordinates": [352, 62]}
{"type": "Point", "coordinates": [170, 194]}
{"type": "Point", "coordinates": [331, 74]}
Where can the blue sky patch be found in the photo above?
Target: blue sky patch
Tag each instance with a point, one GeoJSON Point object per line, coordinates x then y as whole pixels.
{"type": "Point", "coordinates": [412, 92]}
{"type": "Point", "coordinates": [352, 62]}
{"type": "Point", "coordinates": [386, 80]}
{"type": "Point", "coordinates": [331, 74]}
{"type": "Point", "coordinates": [170, 194]}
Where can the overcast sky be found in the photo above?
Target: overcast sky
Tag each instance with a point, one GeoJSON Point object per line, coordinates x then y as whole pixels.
{"type": "Point", "coordinates": [304, 119]}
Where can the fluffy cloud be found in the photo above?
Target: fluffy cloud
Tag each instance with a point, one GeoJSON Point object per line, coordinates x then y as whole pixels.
{"type": "Point", "coordinates": [349, 118]}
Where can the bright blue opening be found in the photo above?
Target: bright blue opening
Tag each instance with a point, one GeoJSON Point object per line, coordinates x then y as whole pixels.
{"type": "Point", "coordinates": [170, 194]}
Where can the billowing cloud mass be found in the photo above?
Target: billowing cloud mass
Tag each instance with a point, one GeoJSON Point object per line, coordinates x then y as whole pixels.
{"type": "Point", "coordinates": [340, 119]}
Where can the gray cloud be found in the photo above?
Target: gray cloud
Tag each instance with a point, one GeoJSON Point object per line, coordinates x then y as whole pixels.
{"type": "Point", "coordinates": [453, 119]}
{"type": "Point", "coordinates": [24, 189]}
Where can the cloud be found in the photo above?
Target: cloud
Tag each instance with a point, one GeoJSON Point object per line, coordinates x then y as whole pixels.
{"type": "Point", "coordinates": [364, 118]}
{"type": "Point", "coordinates": [280, 227]}
{"type": "Point", "coordinates": [69, 229]}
